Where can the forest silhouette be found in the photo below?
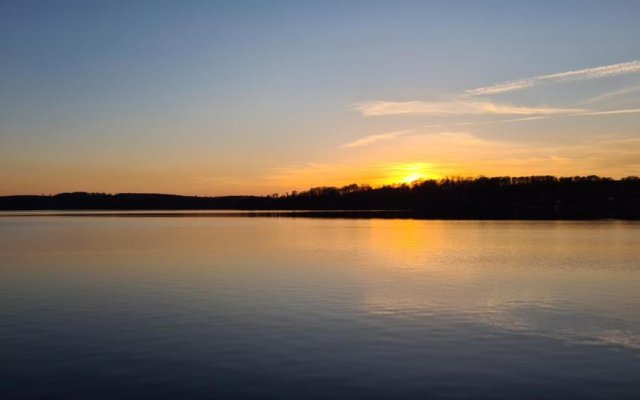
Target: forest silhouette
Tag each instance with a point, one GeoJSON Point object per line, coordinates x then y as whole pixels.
{"type": "Point", "coordinates": [532, 197]}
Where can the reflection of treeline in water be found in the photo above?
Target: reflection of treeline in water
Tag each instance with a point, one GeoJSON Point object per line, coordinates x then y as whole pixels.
{"type": "Point", "coordinates": [535, 197]}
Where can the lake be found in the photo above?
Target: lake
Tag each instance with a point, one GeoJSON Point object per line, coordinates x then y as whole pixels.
{"type": "Point", "coordinates": [231, 306]}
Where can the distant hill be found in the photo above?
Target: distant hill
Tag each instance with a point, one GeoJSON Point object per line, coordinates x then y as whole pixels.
{"type": "Point", "coordinates": [534, 197]}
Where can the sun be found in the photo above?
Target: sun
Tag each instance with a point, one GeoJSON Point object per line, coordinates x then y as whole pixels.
{"type": "Point", "coordinates": [412, 177]}
{"type": "Point", "coordinates": [410, 172]}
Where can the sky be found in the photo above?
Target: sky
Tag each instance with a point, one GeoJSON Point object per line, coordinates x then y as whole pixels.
{"type": "Point", "coordinates": [260, 97]}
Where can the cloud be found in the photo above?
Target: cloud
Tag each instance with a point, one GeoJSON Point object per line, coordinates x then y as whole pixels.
{"type": "Point", "coordinates": [457, 107]}
{"type": "Point", "coordinates": [495, 121]}
{"type": "Point", "coordinates": [376, 138]}
{"type": "Point", "coordinates": [611, 95]}
{"type": "Point", "coordinates": [581, 74]}
{"type": "Point", "coordinates": [609, 112]}
{"type": "Point", "coordinates": [502, 87]}
{"type": "Point", "coordinates": [367, 140]}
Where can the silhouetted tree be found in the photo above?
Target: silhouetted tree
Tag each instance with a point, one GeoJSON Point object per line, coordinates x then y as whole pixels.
{"type": "Point", "coordinates": [528, 197]}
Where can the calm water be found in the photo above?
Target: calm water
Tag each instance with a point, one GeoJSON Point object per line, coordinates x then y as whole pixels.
{"type": "Point", "coordinates": [236, 307]}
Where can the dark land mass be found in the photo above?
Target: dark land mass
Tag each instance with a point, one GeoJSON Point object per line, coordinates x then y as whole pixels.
{"type": "Point", "coordinates": [534, 197]}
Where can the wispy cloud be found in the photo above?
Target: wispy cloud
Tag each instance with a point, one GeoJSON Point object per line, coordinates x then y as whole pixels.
{"type": "Point", "coordinates": [367, 140]}
{"type": "Point", "coordinates": [495, 121]}
{"type": "Point", "coordinates": [457, 107]}
{"type": "Point", "coordinates": [611, 95]}
{"type": "Point", "coordinates": [587, 73]}
{"type": "Point", "coordinates": [376, 138]}
{"type": "Point", "coordinates": [610, 112]}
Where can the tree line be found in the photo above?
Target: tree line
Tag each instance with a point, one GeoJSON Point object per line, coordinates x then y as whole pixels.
{"type": "Point", "coordinates": [529, 197]}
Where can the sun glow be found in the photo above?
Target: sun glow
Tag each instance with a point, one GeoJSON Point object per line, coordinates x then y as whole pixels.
{"type": "Point", "coordinates": [411, 172]}
{"type": "Point", "coordinates": [412, 178]}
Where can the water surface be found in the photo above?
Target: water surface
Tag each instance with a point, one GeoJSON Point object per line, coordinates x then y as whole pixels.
{"type": "Point", "coordinates": [237, 307]}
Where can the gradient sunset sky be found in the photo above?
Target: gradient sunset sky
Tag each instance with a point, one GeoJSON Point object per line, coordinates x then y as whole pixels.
{"type": "Point", "coordinates": [254, 97]}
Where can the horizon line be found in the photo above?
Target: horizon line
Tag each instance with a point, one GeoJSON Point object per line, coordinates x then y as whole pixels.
{"type": "Point", "coordinates": [358, 185]}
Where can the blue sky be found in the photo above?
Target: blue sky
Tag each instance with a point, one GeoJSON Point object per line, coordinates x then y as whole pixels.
{"type": "Point", "coordinates": [208, 97]}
